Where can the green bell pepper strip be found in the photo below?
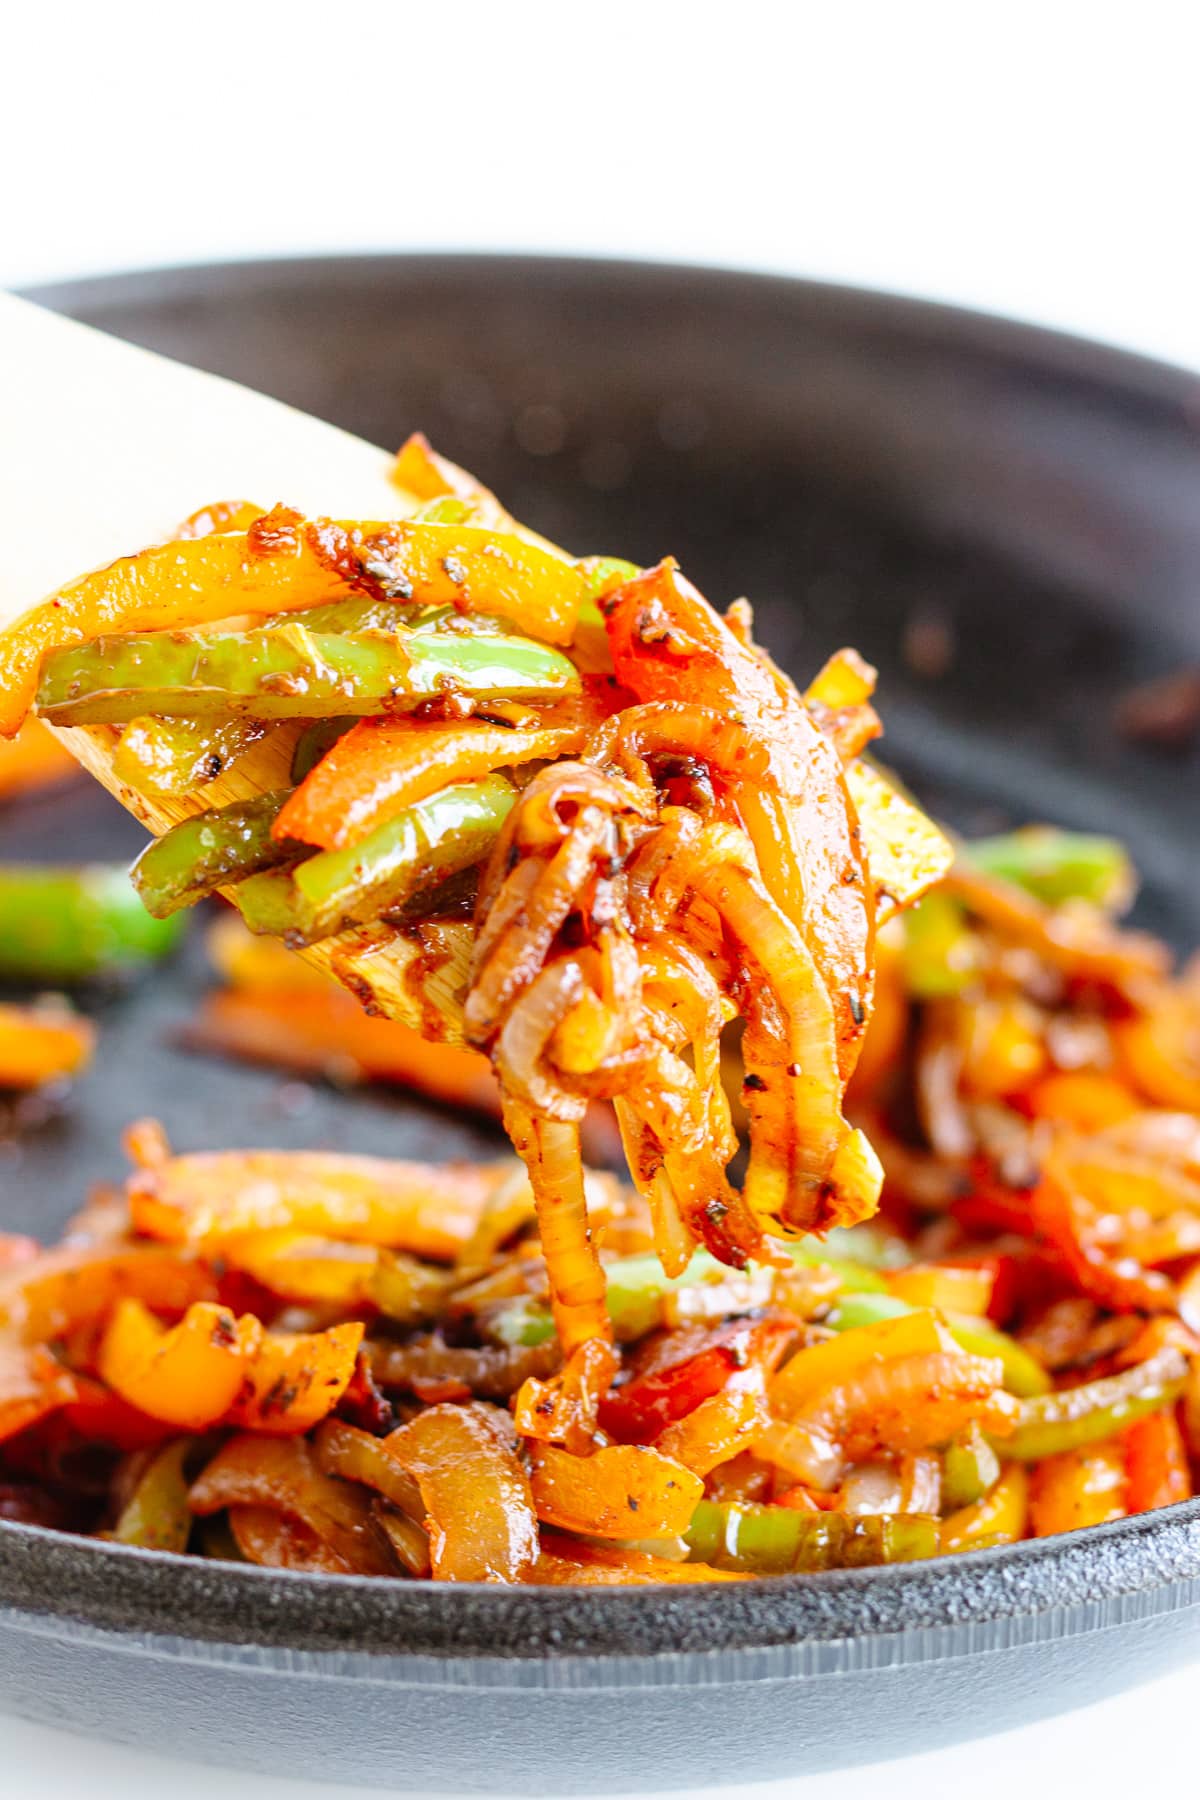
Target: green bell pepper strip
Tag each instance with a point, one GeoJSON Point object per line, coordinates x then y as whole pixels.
{"type": "Point", "coordinates": [1075, 1417]}
{"type": "Point", "coordinates": [213, 849]}
{"type": "Point", "coordinates": [603, 573]}
{"type": "Point", "coordinates": [417, 849]}
{"type": "Point", "coordinates": [940, 952]}
{"type": "Point", "coordinates": [1023, 1374]}
{"type": "Point", "coordinates": [174, 756]}
{"type": "Point", "coordinates": [1055, 866]}
{"type": "Point", "coordinates": [447, 509]}
{"type": "Point", "coordinates": [779, 1540]}
{"type": "Point", "coordinates": [970, 1468]}
{"type": "Point", "coordinates": [637, 1286]}
{"type": "Point", "coordinates": [288, 672]}
{"type": "Point", "coordinates": [156, 1515]}
{"type": "Point", "coordinates": [59, 926]}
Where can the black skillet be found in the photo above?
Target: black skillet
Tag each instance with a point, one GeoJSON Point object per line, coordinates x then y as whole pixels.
{"type": "Point", "coordinates": [1006, 522]}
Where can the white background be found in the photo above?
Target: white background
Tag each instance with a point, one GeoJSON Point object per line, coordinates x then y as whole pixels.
{"type": "Point", "coordinates": [1039, 160]}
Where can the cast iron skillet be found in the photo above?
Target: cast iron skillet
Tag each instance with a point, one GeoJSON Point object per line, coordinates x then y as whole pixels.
{"type": "Point", "coordinates": [1006, 522]}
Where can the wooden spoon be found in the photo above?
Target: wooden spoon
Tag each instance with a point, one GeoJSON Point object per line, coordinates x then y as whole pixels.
{"type": "Point", "coordinates": [107, 448]}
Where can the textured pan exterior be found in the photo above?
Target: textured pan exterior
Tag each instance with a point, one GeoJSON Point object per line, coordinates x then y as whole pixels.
{"type": "Point", "coordinates": [858, 465]}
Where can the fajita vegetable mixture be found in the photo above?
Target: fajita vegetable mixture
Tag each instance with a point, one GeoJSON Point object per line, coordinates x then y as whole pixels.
{"type": "Point", "coordinates": [904, 1257]}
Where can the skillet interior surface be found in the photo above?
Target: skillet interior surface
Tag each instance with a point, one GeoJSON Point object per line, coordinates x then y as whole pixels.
{"type": "Point", "coordinates": [1002, 520]}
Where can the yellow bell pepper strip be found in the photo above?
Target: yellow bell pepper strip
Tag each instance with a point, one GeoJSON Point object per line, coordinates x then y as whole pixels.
{"type": "Point", "coordinates": [970, 1468]}
{"type": "Point", "coordinates": [188, 1375]}
{"type": "Point", "coordinates": [906, 853]}
{"type": "Point", "coordinates": [282, 563]}
{"type": "Point", "coordinates": [619, 1491]}
{"type": "Point", "coordinates": [776, 1540]}
{"type": "Point", "coordinates": [999, 1516]}
{"type": "Point", "coordinates": [295, 1379]}
{"type": "Point", "coordinates": [156, 1515]}
{"type": "Point", "coordinates": [319, 1271]}
{"type": "Point", "coordinates": [174, 757]}
{"type": "Point", "coordinates": [406, 855]}
{"type": "Point", "coordinates": [1077, 1488]}
{"type": "Point", "coordinates": [208, 1198]}
{"type": "Point", "coordinates": [40, 1044]}
{"type": "Point", "coordinates": [60, 926]}
{"type": "Point", "coordinates": [948, 1287]}
{"type": "Point", "coordinates": [211, 850]}
{"type": "Point", "coordinates": [476, 1495]}
{"type": "Point", "coordinates": [1023, 1374]}
{"type": "Point", "coordinates": [282, 1475]}
{"type": "Point", "coordinates": [1055, 1424]}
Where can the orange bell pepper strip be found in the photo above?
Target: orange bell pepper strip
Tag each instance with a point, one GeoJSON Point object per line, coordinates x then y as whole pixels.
{"type": "Point", "coordinates": [1160, 1048]}
{"type": "Point", "coordinates": [293, 1380]}
{"type": "Point", "coordinates": [1078, 1488]}
{"type": "Point", "coordinates": [479, 1512]}
{"type": "Point", "coordinates": [1001, 1516]}
{"type": "Point", "coordinates": [71, 1288]}
{"type": "Point", "coordinates": [282, 1475]}
{"type": "Point", "coordinates": [720, 1428]}
{"type": "Point", "coordinates": [383, 765]}
{"type": "Point", "coordinates": [1081, 1099]}
{"type": "Point", "coordinates": [320, 1029]}
{"type": "Point", "coordinates": [1069, 1222]}
{"type": "Point", "coordinates": [620, 1491]}
{"type": "Point", "coordinates": [1156, 1463]}
{"type": "Point", "coordinates": [206, 1198]}
{"type": "Point", "coordinates": [32, 1384]}
{"type": "Point", "coordinates": [188, 1375]}
{"type": "Point", "coordinates": [565, 1562]}
{"type": "Point", "coordinates": [33, 759]}
{"type": "Point", "coordinates": [38, 1045]}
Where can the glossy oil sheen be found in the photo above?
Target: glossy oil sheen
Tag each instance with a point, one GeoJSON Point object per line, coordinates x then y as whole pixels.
{"type": "Point", "coordinates": [1005, 522]}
